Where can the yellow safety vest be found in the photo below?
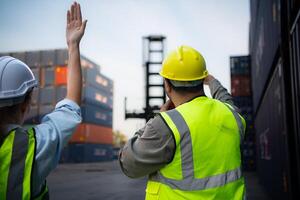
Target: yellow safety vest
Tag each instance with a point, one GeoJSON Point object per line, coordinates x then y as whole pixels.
{"type": "Point", "coordinates": [17, 153]}
{"type": "Point", "coordinates": [207, 160]}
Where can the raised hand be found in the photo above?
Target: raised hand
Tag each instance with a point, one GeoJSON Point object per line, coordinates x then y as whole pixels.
{"type": "Point", "coordinates": [167, 106]}
{"type": "Point", "coordinates": [75, 26]}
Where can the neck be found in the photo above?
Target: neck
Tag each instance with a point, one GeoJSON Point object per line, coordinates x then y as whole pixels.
{"type": "Point", "coordinates": [181, 99]}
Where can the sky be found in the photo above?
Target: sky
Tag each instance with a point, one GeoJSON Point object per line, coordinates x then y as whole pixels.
{"type": "Point", "coordinates": [113, 38]}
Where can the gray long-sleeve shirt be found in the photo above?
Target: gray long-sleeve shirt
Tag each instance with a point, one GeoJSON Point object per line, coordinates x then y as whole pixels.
{"type": "Point", "coordinates": [153, 146]}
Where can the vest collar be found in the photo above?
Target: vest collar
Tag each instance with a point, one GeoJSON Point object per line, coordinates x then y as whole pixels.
{"type": "Point", "coordinates": [198, 96]}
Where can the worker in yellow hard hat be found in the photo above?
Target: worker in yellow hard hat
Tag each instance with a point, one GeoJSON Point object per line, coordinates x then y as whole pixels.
{"type": "Point", "coordinates": [193, 150]}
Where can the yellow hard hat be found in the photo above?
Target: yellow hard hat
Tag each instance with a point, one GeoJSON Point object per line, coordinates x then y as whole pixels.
{"type": "Point", "coordinates": [184, 64]}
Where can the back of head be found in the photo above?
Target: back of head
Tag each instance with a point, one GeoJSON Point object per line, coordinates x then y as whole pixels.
{"type": "Point", "coordinates": [16, 84]}
{"type": "Point", "coordinates": [184, 69]}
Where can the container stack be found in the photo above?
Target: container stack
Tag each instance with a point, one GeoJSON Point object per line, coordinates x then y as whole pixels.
{"type": "Point", "coordinates": [242, 97]}
{"type": "Point", "coordinates": [275, 57]}
{"type": "Point", "coordinates": [92, 140]}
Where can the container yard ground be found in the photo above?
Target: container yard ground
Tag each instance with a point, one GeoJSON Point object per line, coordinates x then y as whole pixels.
{"type": "Point", "coordinates": [94, 181]}
{"type": "Point", "coordinates": [106, 181]}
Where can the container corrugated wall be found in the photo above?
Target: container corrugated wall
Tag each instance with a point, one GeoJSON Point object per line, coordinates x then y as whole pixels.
{"type": "Point", "coordinates": [266, 38]}
{"type": "Point", "coordinates": [274, 48]}
{"type": "Point", "coordinates": [294, 123]}
{"type": "Point", "coordinates": [90, 133]}
{"type": "Point", "coordinates": [270, 124]}
{"type": "Point", "coordinates": [87, 152]}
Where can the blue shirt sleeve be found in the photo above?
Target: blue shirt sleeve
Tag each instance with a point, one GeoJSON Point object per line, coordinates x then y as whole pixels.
{"type": "Point", "coordinates": [52, 135]}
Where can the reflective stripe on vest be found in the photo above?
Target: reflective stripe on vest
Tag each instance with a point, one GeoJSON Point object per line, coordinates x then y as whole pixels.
{"type": "Point", "coordinates": [238, 120]}
{"type": "Point", "coordinates": [189, 182]}
{"type": "Point", "coordinates": [16, 157]}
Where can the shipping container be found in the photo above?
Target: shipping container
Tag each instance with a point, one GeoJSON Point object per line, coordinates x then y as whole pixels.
{"type": "Point", "coordinates": [20, 55]}
{"type": "Point", "coordinates": [64, 155]}
{"type": "Point", "coordinates": [294, 98]}
{"type": "Point", "coordinates": [61, 75]}
{"type": "Point", "coordinates": [61, 56]}
{"type": "Point", "coordinates": [240, 85]}
{"type": "Point", "coordinates": [47, 95]}
{"type": "Point", "coordinates": [116, 151]}
{"type": "Point", "coordinates": [84, 153]}
{"type": "Point", "coordinates": [36, 73]}
{"type": "Point", "coordinates": [33, 58]}
{"type": "Point", "coordinates": [270, 125]}
{"type": "Point", "coordinates": [90, 78]}
{"type": "Point", "coordinates": [90, 96]}
{"type": "Point", "coordinates": [61, 93]}
{"type": "Point", "coordinates": [35, 96]}
{"type": "Point", "coordinates": [90, 133]}
{"type": "Point", "coordinates": [242, 101]}
{"type": "Point", "coordinates": [248, 149]}
{"type": "Point", "coordinates": [96, 115]}
{"type": "Point", "coordinates": [47, 76]}
{"type": "Point", "coordinates": [97, 97]}
{"type": "Point", "coordinates": [97, 80]}
{"type": "Point", "coordinates": [47, 57]}
{"type": "Point", "coordinates": [294, 7]}
{"type": "Point", "coordinates": [240, 65]}
{"type": "Point", "coordinates": [265, 46]}
{"type": "Point", "coordinates": [4, 54]}
{"type": "Point", "coordinates": [88, 64]}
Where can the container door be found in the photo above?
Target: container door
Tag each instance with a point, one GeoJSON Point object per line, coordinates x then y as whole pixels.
{"type": "Point", "coordinates": [270, 124]}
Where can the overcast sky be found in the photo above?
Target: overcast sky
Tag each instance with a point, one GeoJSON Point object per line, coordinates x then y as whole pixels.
{"type": "Point", "coordinates": [113, 39]}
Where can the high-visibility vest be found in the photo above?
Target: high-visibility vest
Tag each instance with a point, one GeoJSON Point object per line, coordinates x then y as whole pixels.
{"type": "Point", "coordinates": [17, 155]}
{"type": "Point", "coordinates": [207, 160]}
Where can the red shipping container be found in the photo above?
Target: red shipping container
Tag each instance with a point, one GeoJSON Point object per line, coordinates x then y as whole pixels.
{"type": "Point", "coordinates": [61, 73]}
{"type": "Point", "coordinates": [240, 85]}
{"type": "Point", "coordinates": [90, 133]}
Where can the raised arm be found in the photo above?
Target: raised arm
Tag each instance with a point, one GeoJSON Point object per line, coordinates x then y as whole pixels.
{"type": "Point", "coordinates": [217, 90]}
{"type": "Point", "coordinates": [74, 32]}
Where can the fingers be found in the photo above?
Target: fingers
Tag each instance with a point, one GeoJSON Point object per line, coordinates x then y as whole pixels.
{"type": "Point", "coordinates": [75, 12]}
{"type": "Point", "coordinates": [79, 13]}
{"type": "Point", "coordinates": [73, 17]}
{"type": "Point", "coordinates": [68, 17]}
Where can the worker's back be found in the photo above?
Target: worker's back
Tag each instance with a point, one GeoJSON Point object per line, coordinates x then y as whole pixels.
{"type": "Point", "coordinates": [206, 164]}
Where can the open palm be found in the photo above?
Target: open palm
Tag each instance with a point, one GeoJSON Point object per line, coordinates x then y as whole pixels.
{"type": "Point", "coordinates": [75, 26]}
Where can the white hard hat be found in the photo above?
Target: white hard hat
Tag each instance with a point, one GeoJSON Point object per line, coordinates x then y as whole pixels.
{"type": "Point", "coordinates": [16, 79]}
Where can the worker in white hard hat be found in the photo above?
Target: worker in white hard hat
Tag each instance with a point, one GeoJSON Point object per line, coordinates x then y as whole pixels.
{"type": "Point", "coordinates": [27, 156]}
{"type": "Point", "coordinates": [191, 151]}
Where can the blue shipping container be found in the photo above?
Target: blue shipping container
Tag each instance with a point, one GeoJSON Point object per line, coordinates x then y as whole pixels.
{"type": "Point", "coordinates": [242, 101]}
{"type": "Point", "coordinates": [96, 115]}
{"type": "Point", "coordinates": [97, 97]}
{"type": "Point", "coordinates": [90, 95]}
{"type": "Point", "coordinates": [116, 152]}
{"type": "Point", "coordinates": [84, 153]}
{"type": "Point", "coordinates": [47, 95]}
{"type": "Point", "coordinates": [94, 78]}
{"type": "Point", "coordinates": [240, 65]}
